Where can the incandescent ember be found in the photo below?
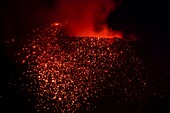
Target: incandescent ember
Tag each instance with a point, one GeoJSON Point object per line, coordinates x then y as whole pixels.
{"type": "Point", "coordinates": [73, 74]}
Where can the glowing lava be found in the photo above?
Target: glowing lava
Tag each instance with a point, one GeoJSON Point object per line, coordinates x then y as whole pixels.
{"type": "Point", "coordinates": [69, 74]}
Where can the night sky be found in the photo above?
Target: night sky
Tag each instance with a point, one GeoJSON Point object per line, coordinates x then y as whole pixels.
{"type": "Point", "coordinates": [147, 20]}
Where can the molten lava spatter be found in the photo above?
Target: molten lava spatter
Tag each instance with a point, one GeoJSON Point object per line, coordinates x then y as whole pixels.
{"type": "Point", "coordinates": [68, 74]}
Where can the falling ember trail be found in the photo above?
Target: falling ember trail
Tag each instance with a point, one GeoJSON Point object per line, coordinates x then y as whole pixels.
{"type": "Point", "coordinates": [76, 73]}
{"type": "Point", "coordinates": [87, 18]}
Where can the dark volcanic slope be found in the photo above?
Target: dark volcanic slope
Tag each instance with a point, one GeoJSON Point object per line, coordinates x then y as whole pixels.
{"type": "Point", "coordinates": [73, 74]}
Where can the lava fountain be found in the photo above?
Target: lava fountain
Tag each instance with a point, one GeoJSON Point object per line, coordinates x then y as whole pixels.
{"type": "Point", "coordinates": [74, 74]}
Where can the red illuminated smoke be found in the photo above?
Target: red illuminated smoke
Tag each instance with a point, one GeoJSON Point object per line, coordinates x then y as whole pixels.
{"type": "Point", "coordinates": [87, 17]}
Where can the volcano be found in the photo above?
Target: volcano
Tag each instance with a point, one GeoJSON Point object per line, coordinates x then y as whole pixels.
{"type": "Point", "coordinates": [62, 73]}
